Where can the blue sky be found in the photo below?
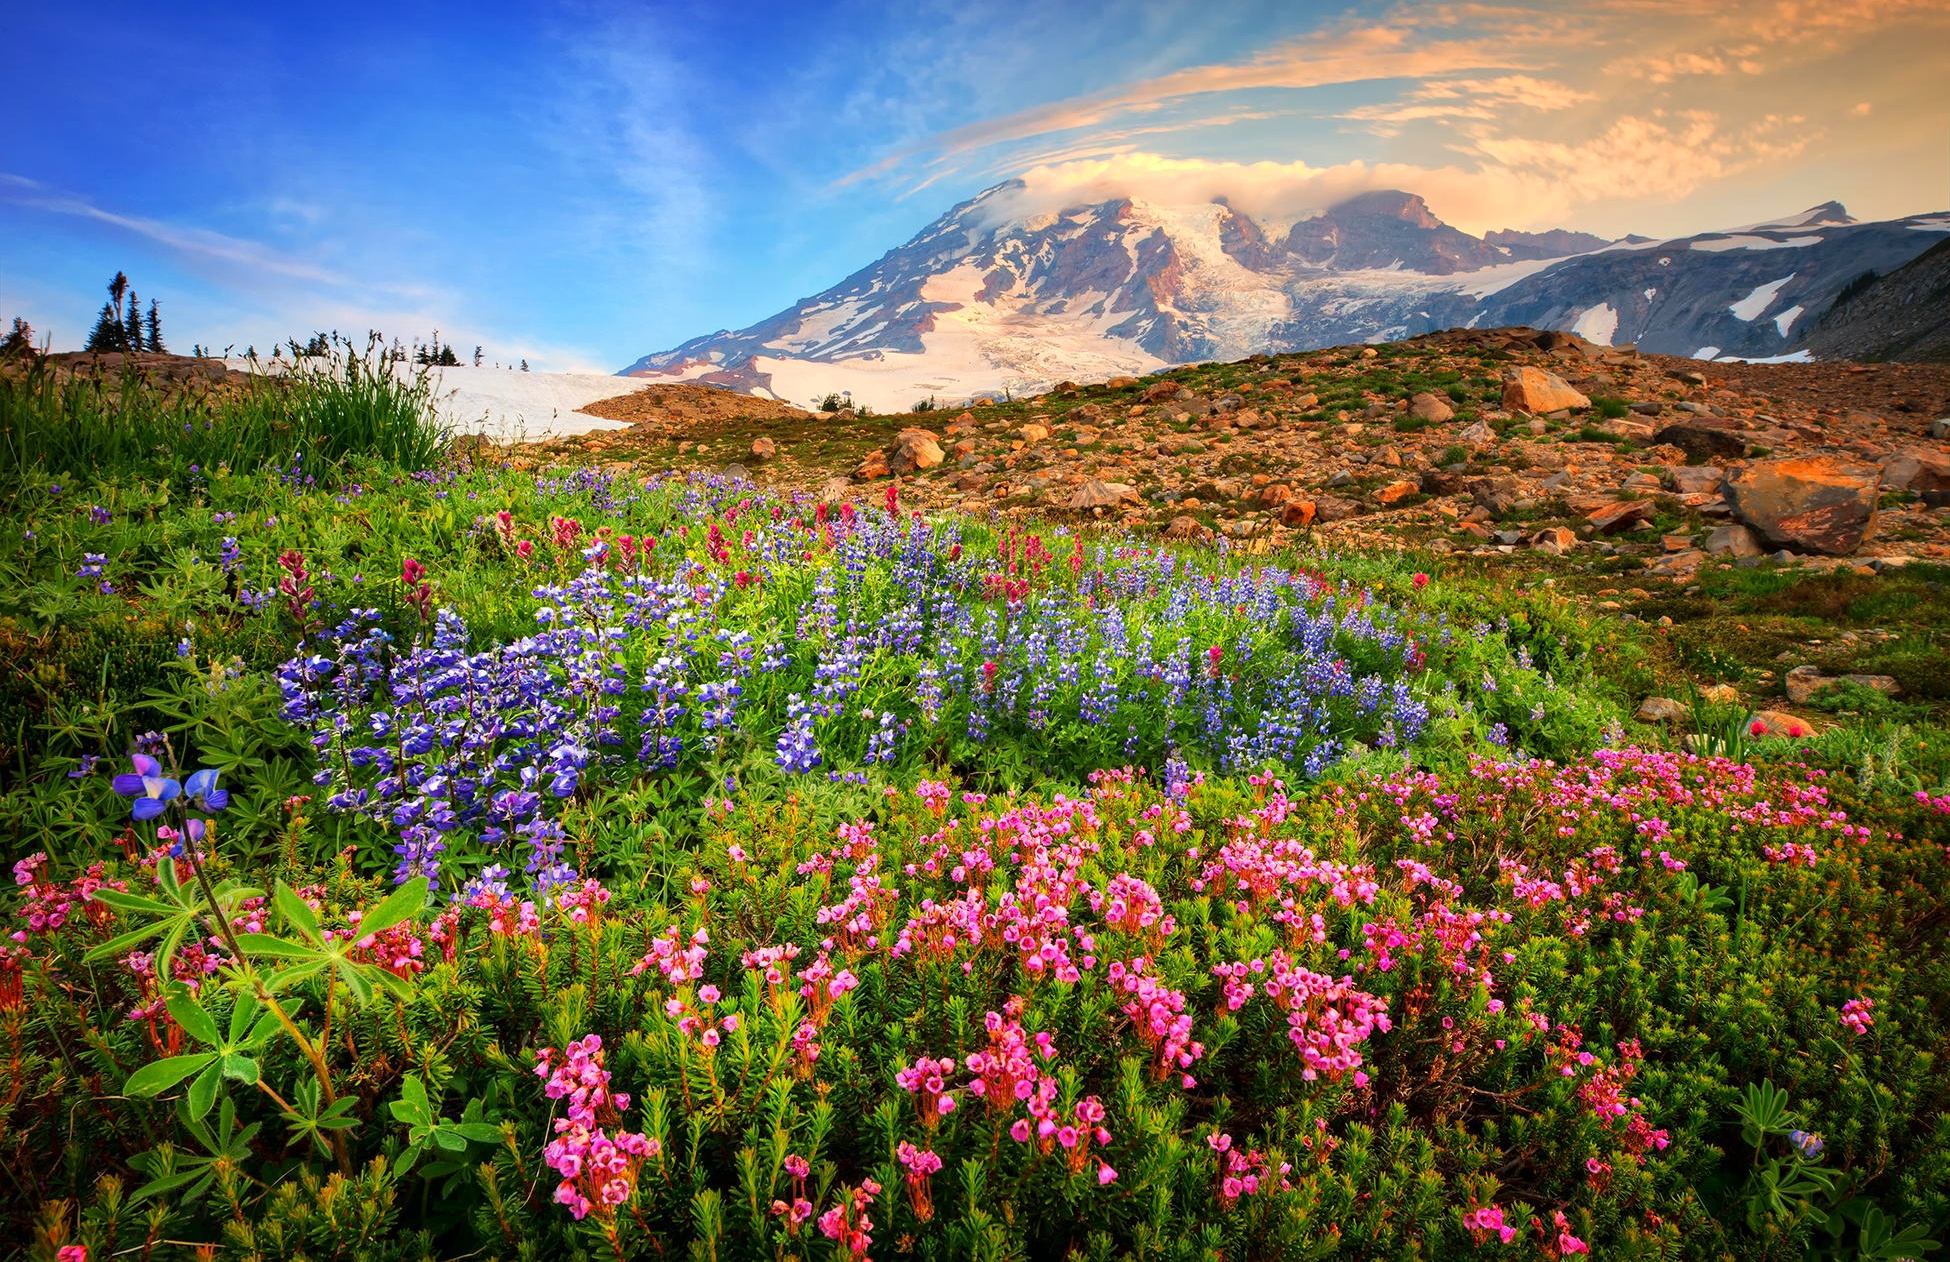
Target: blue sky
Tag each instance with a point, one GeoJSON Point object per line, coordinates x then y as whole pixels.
{"type": "Point", "coordinates": [581, 184]}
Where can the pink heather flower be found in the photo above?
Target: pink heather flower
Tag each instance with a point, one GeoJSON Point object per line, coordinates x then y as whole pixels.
{"type": "Point", "coordinates": [72, 1253]}
{"type": "Point", "coordinates": [1105, 1175]}
{"type": "Point", "coordinates": [1856, 1015]}
{"type": "Point", "coordinates": [1487, 1221]}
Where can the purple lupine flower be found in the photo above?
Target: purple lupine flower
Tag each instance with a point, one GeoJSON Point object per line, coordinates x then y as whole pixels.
{"type": "Point", "coordinates": [151, 789]}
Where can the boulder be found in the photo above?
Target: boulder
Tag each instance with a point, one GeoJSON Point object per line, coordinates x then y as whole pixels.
{"type": "Point", "coordinates": [1661, 710]}
{"type": "Point", "coordinates": [1159, 391]}
{"type": "Point", "coordinates": [1120, 383]}
{"type": "Point", "coordinates": [1538, 392]}
{"type": "Point", "coordinates": [1477, 434]}
{"type": "Point", "coordinates": [1703, 440]}
{"type": "Point", "coordinates": [1701, 479]}
{"type": "Point", "coordinates": [1804, 682]}
{"type": "Point", "coordinates": [1334, 508]}
{"type": "Point", "coordinates": [1433, 408]}
{"type": "Point", "coordinates": [1553, 541]}
{"type": "Point", "coordinates": [1732, 540]}
{"type": "Point", "coordinates": [1612, 519]}
{"type": "Point", "coordinates": [1776, 723]}
{"type": "Point", "coordinates": [914, 449]}
{"type": "Point", "coordinates": [764, 449]}
{"type": "Point", "coordinates": [1097, 493]}
{"type": "Point", "coordinates": [1918, 471]}
{"type": "Point", "coordinates": [1034, 433]}
{"type": "Point", "coordinates": [874, 466]}
{"type": "Point", "coordinates": [1812, 505]}
{"type": "Point", "coordinates": [1187, 528]}
{"type": "Point", "coordinates": [1275, 494]}
{"type": "Point", "coordinates": [1297, 513]}
{"type": "Point", "coordinates": [1395, 491]}
{"type": "Point", "coordinates": [1499, 495]}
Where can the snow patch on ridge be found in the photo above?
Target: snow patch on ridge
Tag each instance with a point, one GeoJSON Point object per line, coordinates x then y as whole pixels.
{"type": "Point", "coordinates": [1759, 300]}
{"type": "Point", "coordinates": [1745, 242]}
{"type": "Point", "coordinates": [1597, 324]}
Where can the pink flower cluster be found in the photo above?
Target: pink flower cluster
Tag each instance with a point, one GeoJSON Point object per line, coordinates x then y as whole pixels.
{"type": "Point", "coordinates": [847, 1221]}
{"type": "Point", "coordinates": [1241, 1173]}
{"type": "Point", "coordinates": [678, 964]}
{"type": "Point", "coordinates": [598, 1170]}
{"type": "Point", "coordinates": [800, 1208]}
{"type": "Point", "coordinates": [49, 903]}
{"type": "Point", "coordinates": [1486, 1221]}
{"type": "Point", "coordinates": [921, 1166]}
{"type": "Point", "coordinates": [1857, 1015]}
{"type": "Point", "coordinates": [927, 1081]}
{"type": "Point", "coordinates": [1329, 1019]}
{"type": "Point", "coordinates": [1007, 1072]}
{"type": "Point", "coordinates": [1158, 1013]}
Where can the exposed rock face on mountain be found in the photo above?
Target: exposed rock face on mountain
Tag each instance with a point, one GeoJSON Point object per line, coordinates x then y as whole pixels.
{"type": "Point", "coordinates": [1904, 316]}
{"type": "Point", "coordinates": [991, 298]}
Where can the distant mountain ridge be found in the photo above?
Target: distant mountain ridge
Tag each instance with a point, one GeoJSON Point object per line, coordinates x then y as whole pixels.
{"type": "Point", "coordinates": [991, 298]}
{"type": "Point", "coordinates": [1903, 316]}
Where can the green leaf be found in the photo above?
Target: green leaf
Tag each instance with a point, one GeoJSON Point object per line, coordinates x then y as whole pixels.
{"type": "Point", "coordinates": [159, 1076]}
{"type": "Point", "coordinates": [406, 901]}
{"type": "Point", "coordinates": [134, 902]}
{"type": "Point", "coordinates": [203, 1092]}
{"type": "Point", "coordinates": [275, 947]}
{"type": "Point", "coordinates": [392, 983]}
{"type": "Point", "coordinates": [199, 1024]}
{"type": "Point", "coordinates": [168, 1183]}
{"type": "Point", "coordinates": [447, 1139]}
{"type": "Point", "coordinates": [298, 912]}
{"type": "Point", "coordinates": [241, 1068]}
{"type": "Point", "coordinates": [126, 942]}
{"type": "Point", "coordinates": [241, 1013]}
{"type": "Point", "coordinates": [412, 1107]}
{"type": "Point", "coordinates": [479, 1132]}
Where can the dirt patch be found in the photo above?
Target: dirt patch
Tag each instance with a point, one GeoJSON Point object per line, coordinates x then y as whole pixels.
{"type": "Point", "coordinates": [677, 406]}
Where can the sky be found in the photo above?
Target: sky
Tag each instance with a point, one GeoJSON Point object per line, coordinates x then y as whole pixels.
{"type": "Point", "coordinates": [579, 184]}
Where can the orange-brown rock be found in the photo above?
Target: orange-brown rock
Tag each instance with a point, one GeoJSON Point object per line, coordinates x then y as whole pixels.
{"type": "Point", "coordinates": [1535, 391]}
{"type": "Point", "coordinates": [1814, 505]}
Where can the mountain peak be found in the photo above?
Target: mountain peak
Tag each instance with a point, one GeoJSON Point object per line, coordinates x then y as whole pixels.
{"type": "Point", "coordinates": [1388, 203]}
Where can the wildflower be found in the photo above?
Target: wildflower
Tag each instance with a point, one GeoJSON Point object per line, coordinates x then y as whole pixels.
{"type": "Point", "coordinates": [150, 788]}
{"type": "Point", "coordinates": [201, 788]}
{"type": "Point", "coordinates": [1856, 1015]}
{"type": "Point", "coordinates": [100, 516]}
{"type": "Point", "coordinates": [1807, 1144]}
{"type": "Point", "coordinates": [1420, 580]}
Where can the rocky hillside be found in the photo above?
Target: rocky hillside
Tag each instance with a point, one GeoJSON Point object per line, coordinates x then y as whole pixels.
{"type": "Point", "coordinates": [1495, 441]}
{"type": "Point", "coordinates": [1903, 316]}
{"type": "Point", "coordinates": [992, 300]}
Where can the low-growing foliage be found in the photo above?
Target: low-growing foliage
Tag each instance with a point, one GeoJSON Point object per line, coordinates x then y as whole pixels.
{"type": "Point", "coordinates": [457, 863]}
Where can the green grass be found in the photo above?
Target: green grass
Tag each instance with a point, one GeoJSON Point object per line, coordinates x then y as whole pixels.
{"type": "Point", "coordinates": [317, 414]}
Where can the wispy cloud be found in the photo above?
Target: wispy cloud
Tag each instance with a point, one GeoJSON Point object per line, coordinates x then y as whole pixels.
{"type": "Point", "coordinates": [195, 245]}
{"type": "Point", "coordinates": [1353, 53]}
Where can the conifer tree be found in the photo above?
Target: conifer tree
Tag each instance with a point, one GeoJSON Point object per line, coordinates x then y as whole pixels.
{"type": "Point", "coordinates": [477, 357]}
{"type": "Point", "coordinates": [154, 323]}
{"type": "Point", "coordinates": [132, 324]}
{"type": "Point", "coordinates": [19, 339]}
{"type": "Point", "coordinates": [107, 334]}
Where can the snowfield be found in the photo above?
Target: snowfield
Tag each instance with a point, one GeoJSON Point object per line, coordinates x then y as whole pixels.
{"type": "Point", "coordinates": [505, 404]}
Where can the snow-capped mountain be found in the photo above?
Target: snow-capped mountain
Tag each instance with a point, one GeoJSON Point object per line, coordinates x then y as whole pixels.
{"type": "Point", "coordinates": [988, 298]}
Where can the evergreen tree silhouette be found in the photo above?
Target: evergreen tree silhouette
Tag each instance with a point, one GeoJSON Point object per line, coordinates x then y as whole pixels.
{"type": "Point", "coordinates": [132, 325]}
{"type": "Point", "coordinates": [108, 334]}
{"type": "Point", "coordinates": [154, 323]}
{"type": "Point", "coordinates": [19, 339]}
